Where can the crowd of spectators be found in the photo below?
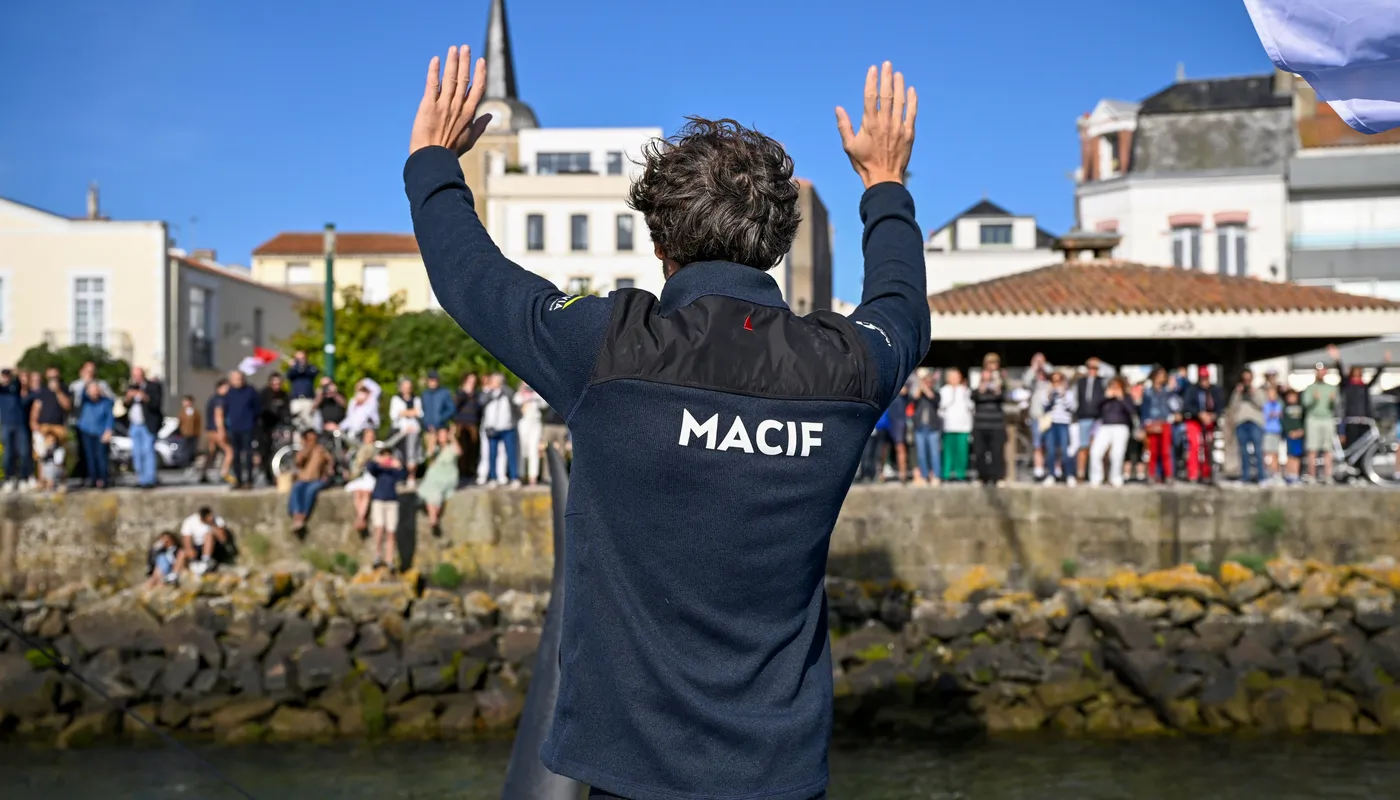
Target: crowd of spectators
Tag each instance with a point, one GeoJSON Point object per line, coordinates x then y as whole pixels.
{"type": "Point", "coordinates": [1089, 425]}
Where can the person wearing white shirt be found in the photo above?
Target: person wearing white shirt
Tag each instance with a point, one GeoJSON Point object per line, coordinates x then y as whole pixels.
{"type": "Point", "coordinates": [955, 406]}
{"type": "Point", "coordinates": [200, 533]}
{"type": "Point", "coordinates": [406, 415]}
{"type": "Point", "coordinates": [530, 429]}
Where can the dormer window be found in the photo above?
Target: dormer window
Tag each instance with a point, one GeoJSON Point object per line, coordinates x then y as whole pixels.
{"type": "Point", "coordinates": [995, 233]}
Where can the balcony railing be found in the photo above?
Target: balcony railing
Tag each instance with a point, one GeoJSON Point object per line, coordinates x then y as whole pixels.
{"type": "Point", "coordinates": [1346, 240]}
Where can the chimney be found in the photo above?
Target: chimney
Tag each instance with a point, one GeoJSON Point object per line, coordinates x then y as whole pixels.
{"type": "Point", "coordinates": [1180, 71]}
{"type": "Point", "coordinates": [204, 254]}
{"type": "Point", "coordinates": [94, 210]}
{"type": "Point", "coordinates": [1096, 244]}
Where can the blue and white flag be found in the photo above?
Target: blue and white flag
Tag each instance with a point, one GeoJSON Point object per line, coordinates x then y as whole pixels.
{"type": "Point", "coordinates": [1347, 50]}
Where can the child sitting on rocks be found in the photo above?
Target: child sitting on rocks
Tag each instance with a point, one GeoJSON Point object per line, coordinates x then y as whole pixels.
{"type": "Point", "coordinates": [166, 561]}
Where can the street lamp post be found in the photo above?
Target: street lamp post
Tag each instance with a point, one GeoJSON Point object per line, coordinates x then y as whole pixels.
{"type": "Point", "coordinates": [329, 324]}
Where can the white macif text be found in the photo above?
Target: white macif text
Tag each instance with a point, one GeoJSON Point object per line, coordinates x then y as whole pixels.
{"type": "Point", "coordinates": [770, 438]}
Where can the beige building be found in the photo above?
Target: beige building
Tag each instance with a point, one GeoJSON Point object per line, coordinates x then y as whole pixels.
{"type": "Point", "coordinates": [380, 264]}
{"type": "Point", "coordinates": [116, 285]}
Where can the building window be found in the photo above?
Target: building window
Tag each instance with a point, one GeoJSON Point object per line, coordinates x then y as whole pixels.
{"type": "Point", "coordinates": [614, 163]}
{"type": "Point", "coordinates": [579, 286]}
{"type": "Point", "coordinates": [626, 283]}
{"type": "Point", "coordinates": [257, 327]}
{"type": "Point", "coordinates": [201, 328]}
{"type": "Point", "coordinates": [624, 232]}
{"type": "Point", "coordinates": [1186, 246]}
{"type": "Point", "coordinates": [996, 234]}
{"type": "Point", "coordinates": [561, 163]}
{"type": "Point", "coordinates": [1231, 240]}
{"type": "Point", "coordinates": [299, 273]}
{"type": "Point", "coordinates": [578, 232]}
{"type": "Point", "coordinates": [374, 285]}
{"type": "Point", "coordinates": [534, 232]}
{"type": "Point", "coordinates": [89, 311]}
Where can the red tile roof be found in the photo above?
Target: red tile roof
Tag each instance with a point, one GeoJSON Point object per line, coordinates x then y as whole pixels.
{"type": "Point", "coordinates": [308, 244]}
{"type": "Point", "coordinates": [1119, 287]}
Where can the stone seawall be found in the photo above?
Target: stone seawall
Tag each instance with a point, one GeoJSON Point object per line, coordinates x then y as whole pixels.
{"type": "Point", "coordinates": [290, 653]}
{"type": "Point", "coordinates": [927, 538]}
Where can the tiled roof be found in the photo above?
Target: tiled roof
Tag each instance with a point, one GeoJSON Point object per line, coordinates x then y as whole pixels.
{"type": "Point", "coordinates": [1119, 287]}
{"type": "Point", "coordinates": [307, 244]}
{"type": "Point", "coordinates": [1326, 129]}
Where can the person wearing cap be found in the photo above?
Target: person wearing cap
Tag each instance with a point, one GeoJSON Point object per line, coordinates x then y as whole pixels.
{"type": "Point", "coordinates": [1319, 423]}
{"type": "Point", "coordinates": [438, 408]}
{"type": "Point", "coordinates": [1202, 404]}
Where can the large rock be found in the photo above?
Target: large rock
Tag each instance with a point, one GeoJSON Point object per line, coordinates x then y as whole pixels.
{"type": "Point", "coordinates": [180, 669]}
{"type": "Point", "coordinates": [340, 632]}
{"type": "Point", "coordinates": [118, 622]}
{"type": "Point", "coordinates": [436, 606]}
{"type": "Point", "coordinates": [458, 718]}
{"type": "Point", "coordinates": [432, 679]}
{"type": "Point", "coordinates": [372, 639]}
{"type": "Point", "coordinates": [383, 667]}
{"type": "Point", "coordinates": [298, 724]}
{"type": "Point", "coordinates": [319, 667]}
{"type": "Point", "coordinates": [89, 728]}
{"type": "Point", "coordinates": [1133, 632]}
{"type": "Point", "coordinates": [239, 712]}
{"type": "Point", "coordinates": [499, 707]}
{"type": "Point", "coordinates": [367, 602]}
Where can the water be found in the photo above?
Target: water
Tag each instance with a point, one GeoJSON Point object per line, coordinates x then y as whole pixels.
{"type": "Point", "coordinates": [1338, 769]}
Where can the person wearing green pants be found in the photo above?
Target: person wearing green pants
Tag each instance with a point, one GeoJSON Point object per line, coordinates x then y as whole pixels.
{"type": "Point", "coordinates": [955, 406]}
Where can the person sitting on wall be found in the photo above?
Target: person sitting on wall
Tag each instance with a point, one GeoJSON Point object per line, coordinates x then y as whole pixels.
{"type": "Point", "coordinates": [206, 538]}
{"type": "Point", "coordinates": [315, 466]}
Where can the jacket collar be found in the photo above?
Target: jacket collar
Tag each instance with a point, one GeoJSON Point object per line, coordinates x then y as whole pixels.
{"type": "Point", "coordinates": [694, 281]}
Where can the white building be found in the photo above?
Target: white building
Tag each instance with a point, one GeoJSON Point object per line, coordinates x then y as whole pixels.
{"type": "Point", "coordinates": [1194, 176]}
{"type": "Point", "coordinates": [1344, 216]}
{"type": "Point", "coordinates": [561, 211]}
{"type": "Point", "coordinates": [984, 242]}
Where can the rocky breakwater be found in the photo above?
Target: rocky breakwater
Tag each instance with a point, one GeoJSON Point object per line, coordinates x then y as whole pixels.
{"type": "Point", "coordinates": [1298, 646]}
{"type": "Point", "coordinates": [286, 653]}
{"type": "Point", "coordinates": [292, 653]}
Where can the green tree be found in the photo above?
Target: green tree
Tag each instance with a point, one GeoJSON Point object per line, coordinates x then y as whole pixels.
{"type": "Point", "coordinates": [69, 359]}
{"type": "Point", "coordinates": [359, 332]}
{"type": "Point", "coordinates": [424, 340]}
{"type": "Point", "coordinates": [380, 342]}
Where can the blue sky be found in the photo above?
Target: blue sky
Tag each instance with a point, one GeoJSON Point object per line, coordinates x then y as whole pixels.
{"type": "Point", "coordinates": [257, 117]}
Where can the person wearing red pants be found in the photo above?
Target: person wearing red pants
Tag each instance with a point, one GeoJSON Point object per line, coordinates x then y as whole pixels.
{"type": "Point", "coordinates": [1161, 407]}
{"type": "Point", "coordinates": [1201, 406]}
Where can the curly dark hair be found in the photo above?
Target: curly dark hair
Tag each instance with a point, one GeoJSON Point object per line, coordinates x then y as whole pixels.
{"type": "Point", "coordinates": [718, 191]}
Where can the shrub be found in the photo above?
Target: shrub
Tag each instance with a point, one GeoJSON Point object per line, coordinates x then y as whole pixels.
{"type": "Point", "coordinates": [446, 576]}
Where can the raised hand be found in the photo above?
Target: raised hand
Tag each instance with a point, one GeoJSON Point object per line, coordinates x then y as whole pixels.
{"type": "Point", "coordinates": [880, 150]}
{"type": "Point", "coordinates": [447, 113]}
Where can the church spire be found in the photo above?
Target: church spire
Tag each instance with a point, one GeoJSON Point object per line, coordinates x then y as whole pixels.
{"type": "Point", "coordinates": [500, 62]}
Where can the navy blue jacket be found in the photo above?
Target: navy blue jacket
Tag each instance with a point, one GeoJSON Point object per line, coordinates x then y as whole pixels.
{"type": "Point", "coordinates": [1195, 399]}
{"type": "Point", "coordinates": [12, 405]}
{"type": "Point", "coordinates": [242, 406]}
{"type": "Point", "coordinates": [715, 436]}
{"type": "Point", "coordinates": [302, 378]}
{"type": "Point", "coordinates": [386, 481]}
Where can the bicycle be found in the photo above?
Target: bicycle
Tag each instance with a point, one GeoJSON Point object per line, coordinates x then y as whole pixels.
{"type": "Point", "coordinates": [1355, 462]}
